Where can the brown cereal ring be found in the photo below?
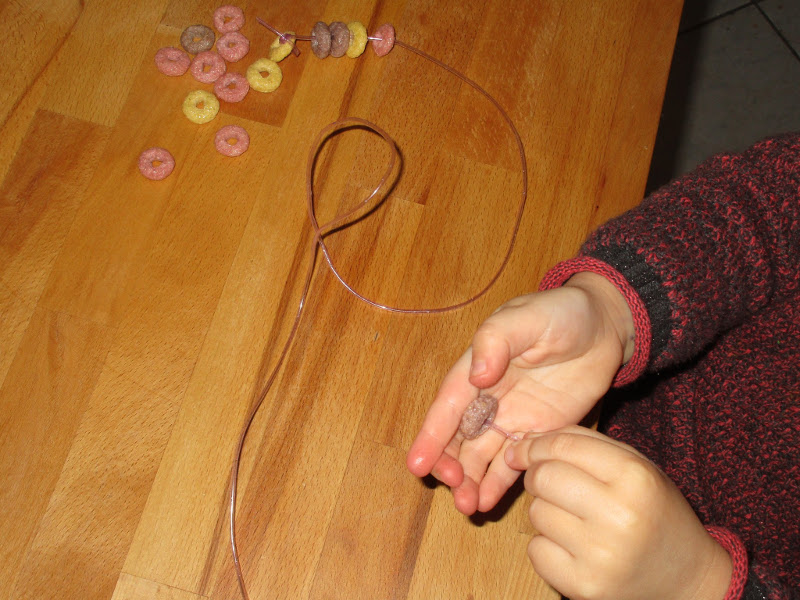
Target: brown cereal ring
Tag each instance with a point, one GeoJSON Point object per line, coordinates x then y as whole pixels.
{"type": "Point", "coordinates": [228, 18]}
{"type": "Point", "coordinates": [258, 81]}
{"type": "Point", "coordinates": [197, 38]}
{"type": "Point", "coordinates": [231, 87]}
{"type": "Point", "coordinates": [358, 39]}
{"type": "Point", "coordinates": [172, 61]}
{"type": "Point", "coordinates": [233, 46]}
{"type": "Point", "coordinates": [156, 163]}
{"type": "Point", "coordinates": [282, 47]}
{"type": "Point", "coordinates": [200, 106]}
{"type": "Point", "coordinates": [207, 67]}
{"type": "Point", "coordinates": [240, 144]}
{"type": "Point", "coordinates": [340, 39]}
{"type": "Point", "coordinates": [478, 417]}
{"type": "Point", "coordinates": [385, 43]}
{"type": "Point", "coordinates": [321, 40]}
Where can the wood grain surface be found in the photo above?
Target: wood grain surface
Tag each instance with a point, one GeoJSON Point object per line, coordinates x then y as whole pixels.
{"type": "Point", "coordinates": [139, 319]}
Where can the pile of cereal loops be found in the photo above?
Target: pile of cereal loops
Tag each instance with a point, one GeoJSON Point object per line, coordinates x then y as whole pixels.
{"type": "Point", "coordinates": [263, 75]}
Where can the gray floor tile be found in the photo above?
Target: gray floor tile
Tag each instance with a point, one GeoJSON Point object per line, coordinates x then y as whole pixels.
{"type": "Point", "coordinates": [732, 82]}
{"type": "Point", "coordinates": [700, 11]}
{"type": "Point", "coordinates": [785, 14]}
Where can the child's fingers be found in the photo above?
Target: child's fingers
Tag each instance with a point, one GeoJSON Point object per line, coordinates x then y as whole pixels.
{"type": "Point", "coordinates": [566, 486]}
{"type": "Point", "coordinates": [465, 496]}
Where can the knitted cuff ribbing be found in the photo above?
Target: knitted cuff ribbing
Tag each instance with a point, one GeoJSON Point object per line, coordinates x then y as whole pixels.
{"type": "Point", "coordinates": [733, 546]}
{"type": "Point", "coordinates": [559, 274]}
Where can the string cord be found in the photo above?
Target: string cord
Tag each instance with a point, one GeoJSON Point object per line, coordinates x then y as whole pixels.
{"type": "Point", "coordinates": [318, 243]}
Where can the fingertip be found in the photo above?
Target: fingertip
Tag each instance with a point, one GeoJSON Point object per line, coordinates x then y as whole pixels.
{"type": "Point", "coordinates": [465, 497]}
{"type": "Point", "coordinates": [516, 455]}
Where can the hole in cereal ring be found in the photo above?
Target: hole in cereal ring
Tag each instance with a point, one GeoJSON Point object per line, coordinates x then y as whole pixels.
{"type": "Point", "coordinates": [156, 163]}
{"type": "Point", "coordinates": [200, 105]}
{"type": "Point", "coordinates": [232, 141]}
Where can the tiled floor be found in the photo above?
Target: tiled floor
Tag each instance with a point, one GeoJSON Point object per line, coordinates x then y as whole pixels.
{"type": "Point", "coordinates": [735, 78]}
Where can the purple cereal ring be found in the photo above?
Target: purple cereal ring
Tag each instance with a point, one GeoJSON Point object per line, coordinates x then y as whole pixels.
{"type": "Point", "coordinates": [478, 417]}
{"type": "Point", "coordinates": [228, 18]}
{"type": "Point", "coordinates": [197, 38]}
{"type": "Point", "coordinates": [233, 46]}
{"type": "Point", "coordinates": [321, 40]}
{"type": "Point", "coordinates": [172, 61]}
{"type": "Point", "coordinates": [207, 67]}
{"type": "Point", "coordinates": [340, 39]}
{"type": "Point", "coordinates": [231, 87]}
{"type": "Point", "coordinates": [156, 163]}
{"type": "Point", "coordinates": [232, 140]}
{"type": "Point", "coordinates": [384, 45]}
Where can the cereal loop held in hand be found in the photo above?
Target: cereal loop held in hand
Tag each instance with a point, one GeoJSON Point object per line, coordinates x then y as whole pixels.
{"type": "Point", "coordinates": [200, 106]}
{"type": "Point", "coordinates": [232, 140]}
{"type": "Point", "coordinates": [258, 81]}
{"type": "Point", "coordinates": [207, 67]}
{"type": "Point", "coordinates": [280, 49]}
{"type": "Point", "coordinates": [197, 38]}
{"type": "Point", "coordinates": [231, 87]}
{"type": "Point", "coordinates": [384, 45]}
{"type": "Point", "coordinates": [321, 40]}
{"type": "Point", "coordinates": [340, 39]}
{"type": "Point", "coordinates": [228, 18]}
{"type": "Point", "coordinates": [233, 46]}
{"type": "Point", "coordinates": [358, 39]}
{"type": "Point", "coordinates": [156, 163]}
{"type": "Point", "coordinates": [172, 61]}
{"type": "Point", "coordinates": [478, 417]}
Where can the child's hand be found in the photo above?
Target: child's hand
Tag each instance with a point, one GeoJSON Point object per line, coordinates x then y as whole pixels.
{"type": "Point", "coordinates": [547, 357]}
{"type": "Point", "coordinates": [611, 525]}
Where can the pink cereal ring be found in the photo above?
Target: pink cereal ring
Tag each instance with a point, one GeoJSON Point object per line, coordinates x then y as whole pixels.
{"type": "Point", "coordinates": [207, 67]}
{"type": "Point", "coordinates": [232, 140]}
{"type": "Point", "coordinates": [156, 163]}
{"type": "Point", "coordinates": [228, 18]}
{"type": "Point", "coordinates": [172, 61]}
{"type": "Point", "coordinates": [233, 46]}
{"type": "Point", "coordinates": [231, 87]}
{"type": "Point", "coordinates": [383, 46]}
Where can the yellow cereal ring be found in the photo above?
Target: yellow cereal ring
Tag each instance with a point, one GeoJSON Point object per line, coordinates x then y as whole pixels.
{"type": "Point", "coordinates": [358, 39]}
{"type": "Point", "coordinates": [279, 50]}
{"type": "Point", "coordinates": [258, 81]}
{"type": "Point", "coordinates": [200, 114]}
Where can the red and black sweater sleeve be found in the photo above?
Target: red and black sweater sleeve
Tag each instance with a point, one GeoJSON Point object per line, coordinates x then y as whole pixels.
{"type": "Point", "coordinates": [703, 252]}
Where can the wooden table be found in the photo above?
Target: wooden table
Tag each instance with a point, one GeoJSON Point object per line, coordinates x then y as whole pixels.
{"type": "Point", "coordinates": [139, 319]}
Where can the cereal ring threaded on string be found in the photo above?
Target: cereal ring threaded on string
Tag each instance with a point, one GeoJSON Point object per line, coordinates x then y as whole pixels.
{"type": "Point", "coordinates": [321, 40]}
{"type": "Point", "coordinates": [197, 38]}
{"type": "Point", "coordinates": [207, 67]}
{"type": "Point", "coordinates": [383, 39]}
{"type": "Point", "coordinates": [358, 39]}
{"type": "Point", "coordinates": [172, 61]}
{"type": "Point", "coordinates": [282, 47]}
{"type": "Point", "coordinates": [228, 18]}
{"type": "Point", "coordinates": [340, 39]}
{"type": "Point", "coordinates": [200, 106]}
{"type": "Point", "coordinates": [258, 81]}
{"type": "Point", "coordinates": [233, 46]}
{"type": "Point", "coordinates": [231, 87]}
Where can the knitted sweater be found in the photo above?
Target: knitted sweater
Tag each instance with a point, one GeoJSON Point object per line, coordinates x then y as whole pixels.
{"type": "Point", "coordinates": [710, 265]}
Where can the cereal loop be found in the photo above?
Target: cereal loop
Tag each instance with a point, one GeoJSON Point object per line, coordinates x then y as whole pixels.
{"type": "Point", "coordinates": [384, 45]}
{"type": "Point", "coordinates": [232, 140]}
{"type": "Point", "coordinates": [358, 39]}
{"type": "Point", "coordinates": [233, 46]}
{"type": "Point", "coordinates": [321, 40]}
{"type": "Point", "coordinates": [228, 18]}
{"type": "Point", "coordinates": [261, 83]}
{"type": "Point", "coordinates": [231, 87]}
{"type": "Point", "coordinates": [156, 163]}
{"type": "Point", "coordinates": [172, 61]}
{"type": "Point", "coordinates": [340, 39]}
{"type": "Point", "coordinates": [197, 38]}
{"type": "Point", "coordinates": [200, 106]}
{"type": "Point", "coordinates": [280, 49]}
{"type": "Point", "coordinates": [207, 67]}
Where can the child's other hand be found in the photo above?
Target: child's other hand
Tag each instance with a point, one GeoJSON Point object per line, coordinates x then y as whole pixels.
{"type": "Point", "coordinates": [547, 357]}
{"type": "Point", "coordinates": [611, 525]}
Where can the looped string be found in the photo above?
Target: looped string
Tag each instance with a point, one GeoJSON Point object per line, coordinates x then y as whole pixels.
{"type": "Point", "coordinates": [317, 242]}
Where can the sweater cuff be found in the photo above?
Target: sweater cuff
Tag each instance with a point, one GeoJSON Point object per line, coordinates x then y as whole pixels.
{"type": "Point", "coordinates": [733, 546]}
{"type": "Point", "coordinates": [558, 276]}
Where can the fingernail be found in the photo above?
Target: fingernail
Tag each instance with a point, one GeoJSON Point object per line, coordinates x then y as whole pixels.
{"type": "Point", "coordinates": [478, 368]}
